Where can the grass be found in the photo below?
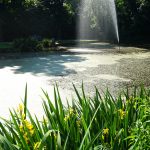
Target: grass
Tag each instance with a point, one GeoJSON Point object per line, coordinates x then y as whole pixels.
{"type": "Point", "coordinates": [99, 123]}
{"type": "Point", "coordinates": [5, 45]}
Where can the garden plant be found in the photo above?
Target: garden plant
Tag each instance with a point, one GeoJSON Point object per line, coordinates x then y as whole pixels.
{"type": "Point", "coordinates": [101, 122]}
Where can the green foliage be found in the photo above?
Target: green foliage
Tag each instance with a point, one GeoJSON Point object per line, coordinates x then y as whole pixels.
{"type": "Point", "coordinates": [47, 18]}
{"type": "Point", "coordinates": [140, 131]}
{"type": "Point", "coordinates": [25, 44]}
{"type": "Point", "coordinates": [5, 45]}
{"type": "Point", "coordinates": [133, 18]}
{"type": "Point", "coordinates": [39, 47]}
{"type": "Point", "coordinates": [101, 122]}
{"type": "Point", "coordinates": [31, 44]}
{"type": "Point", "coordinates": [46, 43]}
{"type": "Point", "coordinates": [53, 18]}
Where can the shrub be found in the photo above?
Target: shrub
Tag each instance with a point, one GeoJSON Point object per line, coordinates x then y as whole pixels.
{"type": "Point", "coordinates": [39, 47]}
{"type": "Point", "coordinates": [53, 44]}
{"type": "Point", "coordinates": [25, 44]}
{"type": "Point", "coordinates": [47, 43]}
{"type": "Point", "coordinates": [32, 44]}
{"type": "Point", "coordinates": [17, 43]}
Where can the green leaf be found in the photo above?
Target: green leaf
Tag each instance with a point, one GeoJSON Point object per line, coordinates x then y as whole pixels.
{"type": "Point", "coordinates": [25, 101]}
{"type": "Point", "coordinates": [87, 131]}
{"type": "Point", "coordinates": [6, 145]}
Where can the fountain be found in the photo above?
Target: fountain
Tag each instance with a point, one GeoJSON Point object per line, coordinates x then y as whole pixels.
{"type": "Point", "coordinates": [98, 20]}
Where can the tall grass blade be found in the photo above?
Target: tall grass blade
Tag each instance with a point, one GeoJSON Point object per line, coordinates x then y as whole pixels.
{"type": "Point", "coordinates": [87, 131]}
{"type": "Point", "coordinates": [25, 101]}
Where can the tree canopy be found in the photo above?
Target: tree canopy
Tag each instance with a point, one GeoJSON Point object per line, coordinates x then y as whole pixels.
{"type": "Point", "coordinates": [58, 18]}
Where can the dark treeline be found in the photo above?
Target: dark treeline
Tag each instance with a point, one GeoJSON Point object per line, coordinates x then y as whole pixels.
{"type": "Point", "coordinates": [46, 18]}
{"type": "Point", "coordinates": [58, 18]}
{"type": "Point", "coordinates": [134, 20]}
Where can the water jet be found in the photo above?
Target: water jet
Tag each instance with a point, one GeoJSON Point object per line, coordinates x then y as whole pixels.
{"type": "Point", "coordinates": [98, 20]}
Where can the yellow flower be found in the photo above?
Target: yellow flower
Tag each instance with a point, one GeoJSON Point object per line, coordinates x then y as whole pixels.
{"type": "Point", "coordinates": [71, 110]}
{"type": "Point", "coordinates": [106, 131]}
{"type": "Point", "coordinates": [32, 132]}
{"type": "Point", "coordinates": [21, 128]}
{"type": "Point", "coordinates": [20, 108]}
{"type": "Point", "coordinates": [23, 116]}
{"type": "Point", "coordinates": [78, 123]}
{"type": "Point", "coordinates": [28, 124]}
{"type": "Point", "coordinates": [122, 113]}
{"type": "Point", "coordinates": [36, 145]}
{"type": "Point", "coordinates": [25, 137]}
{"type": "Point", "coordinates": [66, 118]}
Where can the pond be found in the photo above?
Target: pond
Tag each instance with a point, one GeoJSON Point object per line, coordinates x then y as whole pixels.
{"type": "Point", "coordinates": [97, 64]}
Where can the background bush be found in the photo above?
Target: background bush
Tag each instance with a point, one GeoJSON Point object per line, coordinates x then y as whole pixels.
{"type": "Point", "coordinates": [25, 45]}
{"type": "Point", "coordinates": [32, 44]}
{"type": "Point", "coordinates": [46, 43]}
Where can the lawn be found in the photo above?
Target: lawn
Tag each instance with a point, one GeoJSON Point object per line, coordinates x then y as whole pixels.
{"type": "Point", "coordinates": [5, 45]}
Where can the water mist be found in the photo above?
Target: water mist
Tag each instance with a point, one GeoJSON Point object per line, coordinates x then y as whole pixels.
{"type": "Point", "coordinates": [98, 20]}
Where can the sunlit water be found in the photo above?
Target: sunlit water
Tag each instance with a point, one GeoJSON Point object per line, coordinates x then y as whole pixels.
{"type": "Point", "coordinates": [75, 67]}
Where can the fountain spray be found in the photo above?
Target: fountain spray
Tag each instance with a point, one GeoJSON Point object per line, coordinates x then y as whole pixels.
{"type": "Point", "coordinates": [99, 15]}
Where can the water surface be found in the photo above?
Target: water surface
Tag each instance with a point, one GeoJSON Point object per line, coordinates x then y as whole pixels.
{"type": "Point", "coordinates": [102, 65]}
